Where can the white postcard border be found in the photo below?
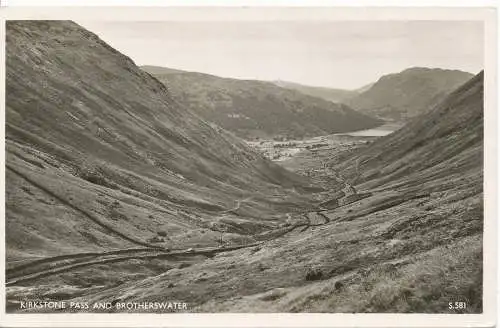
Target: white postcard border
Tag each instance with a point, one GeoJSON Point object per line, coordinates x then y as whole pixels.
{"type": "Point", "coordinates": [487, 319]}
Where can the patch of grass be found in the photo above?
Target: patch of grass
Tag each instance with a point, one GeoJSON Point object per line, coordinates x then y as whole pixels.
{"type": "Point", "coordinates": [27, 190]}
{"type": "Point", "coordinates": [314, 274]}
{"type": "Point", "coordinates": [273, 295]}
{"type": "Point", "coordinates": [93, 174]}
{"type": "Point", "coordinates": [450, 273]}
{"type": "Point", "coordinates": [116, 215]}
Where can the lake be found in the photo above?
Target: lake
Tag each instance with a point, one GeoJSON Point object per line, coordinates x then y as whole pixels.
{"type": "Point", "coordinates": [380, 131]}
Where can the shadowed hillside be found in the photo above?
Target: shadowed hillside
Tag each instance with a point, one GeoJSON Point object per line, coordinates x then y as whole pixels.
{"type": "Point", "coordinates": [259, 109]}
{"type": "Point", "coordinates": [407, 94]}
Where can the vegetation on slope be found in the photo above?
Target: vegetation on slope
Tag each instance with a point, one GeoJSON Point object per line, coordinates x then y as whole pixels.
{"type": "Point", "coordinates": [409, 93]}
{"type": "Point", "coordinates": [412, 243]}
{"type": "Point", "coordinates": [259, 109]}
{"type": "Point", "coordinates": [100, 156]}
{"type": "Point", "coordinates": [97, 148]}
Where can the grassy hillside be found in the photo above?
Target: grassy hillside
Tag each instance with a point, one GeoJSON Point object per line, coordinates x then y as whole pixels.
{"type": "Point", "coordinates": [448, 138]}
{"type": "Point", "coordinates": [259, 109]}
{"type": "Point", "coordinates": [409, 93]}
{"type": "Point", "coordinates": [116, 192]}
{"type": "Point", "coordinates": [100, 156]}
{"type": "Point", "coordinates": [408, 238]}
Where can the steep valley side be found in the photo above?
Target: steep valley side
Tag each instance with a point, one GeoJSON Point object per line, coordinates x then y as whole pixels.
{"type": "Point", "coordinates": [390, 242]}
{"type": "Point", "coordinates": [100, 158]}
{"type": "Point", "coordinates": [116, 192]}
{"type": "Point", "coordinates": [254, 109]}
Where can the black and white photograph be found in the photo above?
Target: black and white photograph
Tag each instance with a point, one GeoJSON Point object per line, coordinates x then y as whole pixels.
{"type": "Point", "coordinates": [245, 166]}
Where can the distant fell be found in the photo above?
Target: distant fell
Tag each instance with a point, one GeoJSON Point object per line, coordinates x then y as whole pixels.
{"type": "Point", "coordinates": [409, 93]}
{"type": "Point", "coordinates": [440, 147]}
{"type": "Point", "coordinates": [331, 94]}
{"type": "Point", "coordinates": [257, 109]}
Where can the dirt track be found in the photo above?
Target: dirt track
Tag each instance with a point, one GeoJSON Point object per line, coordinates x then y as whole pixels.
{"type": "Point", "coordinates": [41, 268]}
{"type": "Point", "coordinates": [60, 264]}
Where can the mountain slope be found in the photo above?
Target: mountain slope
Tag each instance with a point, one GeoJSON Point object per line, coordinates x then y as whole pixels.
{"type": "Point", "coordinates": [333, 95]}
{"type": "Point", "coordinates": [259, 109]}
{"type": "Point", "coordinates": [408, 93]}
{"type": "Point", "coordinates": [100, 159]}
{"type": "Point", "coordinates": [411, 241]}
{"type": "Point", "coordinates": [364, 88]}
{"type": "Point", "coordinates": [451, 133]}
{"type": "Point", "coordinates": [99, 155]}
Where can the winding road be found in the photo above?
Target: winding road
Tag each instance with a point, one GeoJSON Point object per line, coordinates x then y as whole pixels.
{"type": "Point", "coordinates": [41, 268]}
{"type": "Point", "coordinates": [45, 267]}
{"type": "Point", "coordinates": [59, 264]}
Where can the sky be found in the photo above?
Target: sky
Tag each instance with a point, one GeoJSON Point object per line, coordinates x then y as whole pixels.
{"type": "Point", "coordinates": [337, 54]}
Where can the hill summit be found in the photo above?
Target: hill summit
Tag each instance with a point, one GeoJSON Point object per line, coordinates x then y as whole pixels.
{"type": "Point", "coordinates": [409, 93]}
